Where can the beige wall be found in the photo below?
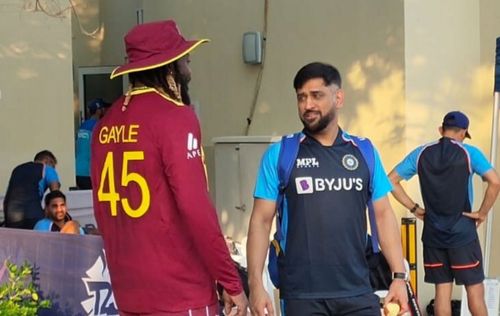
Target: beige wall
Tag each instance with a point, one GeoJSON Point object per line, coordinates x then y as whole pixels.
{"type": "Point", "coordinates": [39, 63]}
{"type": "Point", "coordinates": [222, 84]}
{"type": "Point", "coordinates": [403, 64]}
{"type": "Point", "coordinates": [449, 55]}
{"type": "Point", "coordinates": [489, 20]}
{"type": "Point", "coordinates": [36, 88]}
{"type": "Point", "coordinates": [88, 33]}
{"type": "Point", "coordinates": [98, 29]}
{"type": "Point", "coordinates": [372, 64]}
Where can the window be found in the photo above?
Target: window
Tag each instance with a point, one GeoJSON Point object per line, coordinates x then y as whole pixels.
{"type": "Point", "coordinates": [94, 82]}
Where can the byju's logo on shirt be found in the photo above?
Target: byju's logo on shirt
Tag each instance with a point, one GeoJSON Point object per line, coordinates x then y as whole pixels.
{"type": "Point", "coordinates": [304, 185]}
{"type": "Point", "coordinates": [193, 149]}
{"type": "Point", "coordinates": [308, 185]}
{"type": "Point", "coordinates": [307, 163]}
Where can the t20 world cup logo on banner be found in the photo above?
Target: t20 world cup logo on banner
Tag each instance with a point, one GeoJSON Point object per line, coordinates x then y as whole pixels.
{"type": "Point", "coordinates": [101, 301]}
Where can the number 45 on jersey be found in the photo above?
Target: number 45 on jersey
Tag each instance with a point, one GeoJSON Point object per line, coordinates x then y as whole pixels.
{"type": "Point", "coordinates": [112, 196]}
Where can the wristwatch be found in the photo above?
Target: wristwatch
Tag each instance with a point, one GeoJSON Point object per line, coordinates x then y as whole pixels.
{"type": "Point", "coordinates": [399, 275]}
{"type": "Point", "coordinates": [414, 208]}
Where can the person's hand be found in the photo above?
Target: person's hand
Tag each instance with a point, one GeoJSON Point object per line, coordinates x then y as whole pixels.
{"type": "Point", "coordinates": [260, 303]}
{"type": "Point", "coordinates": [477, 216]}
{"type": "Point", "coordinates": [398, 294]}
{"type": "Point", "coordinates": [419, 213]}
{"type": "Point", "coordinates": [71, 227]}
{"type": "Point", "coordinates": [235, 305]}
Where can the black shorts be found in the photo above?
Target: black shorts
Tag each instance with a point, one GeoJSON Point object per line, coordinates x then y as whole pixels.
{"type": "Point", "coordinates": [363, 305]}
{"type": "Point", "coordinates": [463, 264]}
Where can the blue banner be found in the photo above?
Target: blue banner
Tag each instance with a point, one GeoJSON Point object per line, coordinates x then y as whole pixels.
{"type": "Point", "coordinates": [70, 270]}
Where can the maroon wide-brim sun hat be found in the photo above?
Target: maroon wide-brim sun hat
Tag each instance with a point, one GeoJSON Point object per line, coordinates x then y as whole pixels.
{"type": "Point", "coordinates": [155, 44]}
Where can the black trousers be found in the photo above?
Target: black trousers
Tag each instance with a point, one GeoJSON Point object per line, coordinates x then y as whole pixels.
{"type": "Point", "coordinates": [363, 305]}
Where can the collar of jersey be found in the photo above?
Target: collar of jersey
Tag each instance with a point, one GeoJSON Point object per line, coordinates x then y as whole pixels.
{"type": "Point", "coordinates": [342, 136]}
{"type": "Point", "coordinates": [143, 90]}
{"type": "Point", "coordinates": [346, 137]}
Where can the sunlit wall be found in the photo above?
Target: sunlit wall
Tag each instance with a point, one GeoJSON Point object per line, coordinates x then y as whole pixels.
{"type": "Point", "coordinates": [404, 63]}
{"type": "Point", "coordinates": [36, 87]}
{"type": "Point", "coordinates": [449, 66]}
{"type": "Point", "coordinates": [364, 39]}
{"type": "Point", "coordinates": [489, 21]}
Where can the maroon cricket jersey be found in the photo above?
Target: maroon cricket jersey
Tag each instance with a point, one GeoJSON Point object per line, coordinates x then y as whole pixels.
{"type": "Point", "coordinates": [163, 243]}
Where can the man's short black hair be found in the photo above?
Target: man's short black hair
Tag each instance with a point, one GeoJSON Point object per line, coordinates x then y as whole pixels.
{"type": "Point", "coordinates": [327, 72]}
{"type": "Point", "coordinates": [451, 128]}
{"type": "Point", "coordinates": [93, 111]}
{"type": "Point", "coordinates": [54, 195]}
{"type": "Point", "coordinates": [45, 154]}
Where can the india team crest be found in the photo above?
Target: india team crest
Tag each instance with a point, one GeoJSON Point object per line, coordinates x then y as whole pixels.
{"type": "Point", "coordinates": [350, 162]}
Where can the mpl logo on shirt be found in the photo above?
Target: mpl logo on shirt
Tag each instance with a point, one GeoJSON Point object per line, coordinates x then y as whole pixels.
{"type": "Point", "coordinates": [307, 163]}
{"type": "Point", "coordinates": [193, 149]}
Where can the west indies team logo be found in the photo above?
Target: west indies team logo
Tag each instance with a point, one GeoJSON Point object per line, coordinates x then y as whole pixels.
{"type": "Point", "coordinates": [101, 301]}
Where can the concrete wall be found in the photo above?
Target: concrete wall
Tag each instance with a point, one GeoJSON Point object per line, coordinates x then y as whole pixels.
{"type": "Point", "coordinates": [363, 39]}
{"type": "Point", "coordinates": [98, 29]}
{"type": "Point", "coordinates": [403, 66]}
{"type": "Point", "coordinates": [372, 63]}
{"type": "Point", "coordinates": [36, 87]}
{"type": "Point", "coordinates": [449, 55]}
{"type": "Point", "coordinates": [39, 84]}
{"type": "Point", "coordinates": [489, 22]}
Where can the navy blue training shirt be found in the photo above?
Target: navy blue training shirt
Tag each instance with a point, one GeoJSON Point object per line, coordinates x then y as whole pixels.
{"type": "Point", "coordinates": [324, 220]}
{"type": "Point", "coordinates": [445, 169]}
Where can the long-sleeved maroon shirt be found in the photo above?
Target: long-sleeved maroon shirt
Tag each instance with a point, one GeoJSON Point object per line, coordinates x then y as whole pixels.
{"type": "Point", "coordinates": [163, 243]}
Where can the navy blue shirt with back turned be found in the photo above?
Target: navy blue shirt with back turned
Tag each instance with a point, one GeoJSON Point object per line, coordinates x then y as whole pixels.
{"type": "Point", "coordinates": [445, 169]}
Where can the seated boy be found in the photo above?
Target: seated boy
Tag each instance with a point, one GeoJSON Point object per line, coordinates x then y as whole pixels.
{"type": "Point", "coordinates": [57, 218]}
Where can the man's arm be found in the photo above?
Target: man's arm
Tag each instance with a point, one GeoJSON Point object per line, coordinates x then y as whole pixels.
{"type": "Point", "coordinates": [390, 242]}
{"type": "Point", "coordinates": [491, 177]}
{"type": "Point", "coordinates": [401, 196]}
{"type": "Point", "coordinates": [51, 178]}
{"type": "Point", "coordinates": [6, 199]}
{"type": "Point", "coordinates": [258, 242]}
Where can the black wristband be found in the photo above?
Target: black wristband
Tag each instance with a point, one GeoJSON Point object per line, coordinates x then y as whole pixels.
{"type": "Point", "coordinates": [399, 275]}
{"type": "Point", "coordinates": [414, 208]}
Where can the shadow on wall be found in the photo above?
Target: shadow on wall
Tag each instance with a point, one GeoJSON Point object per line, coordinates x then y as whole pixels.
{"type": "Point", "coordinates": [378, 89]}
{"type": "Point", "coordinates": [382, 111]}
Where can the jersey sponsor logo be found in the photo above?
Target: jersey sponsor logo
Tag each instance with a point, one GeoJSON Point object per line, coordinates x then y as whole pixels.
{"type": "Point", "coordinates": [193, 149]}
{"type": "Point", "coordinates": [350, 162]}
{"type": "Point", "coordinates": [307, 163]}
{"type": "Point", "coordinates": [309, 185]}
{"type": "Point", "coordinates": [84, 134]}
{"type": "Point", "coordinates": [101, 301]}
{"type": "Point", "coordinates": [304, 185]}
